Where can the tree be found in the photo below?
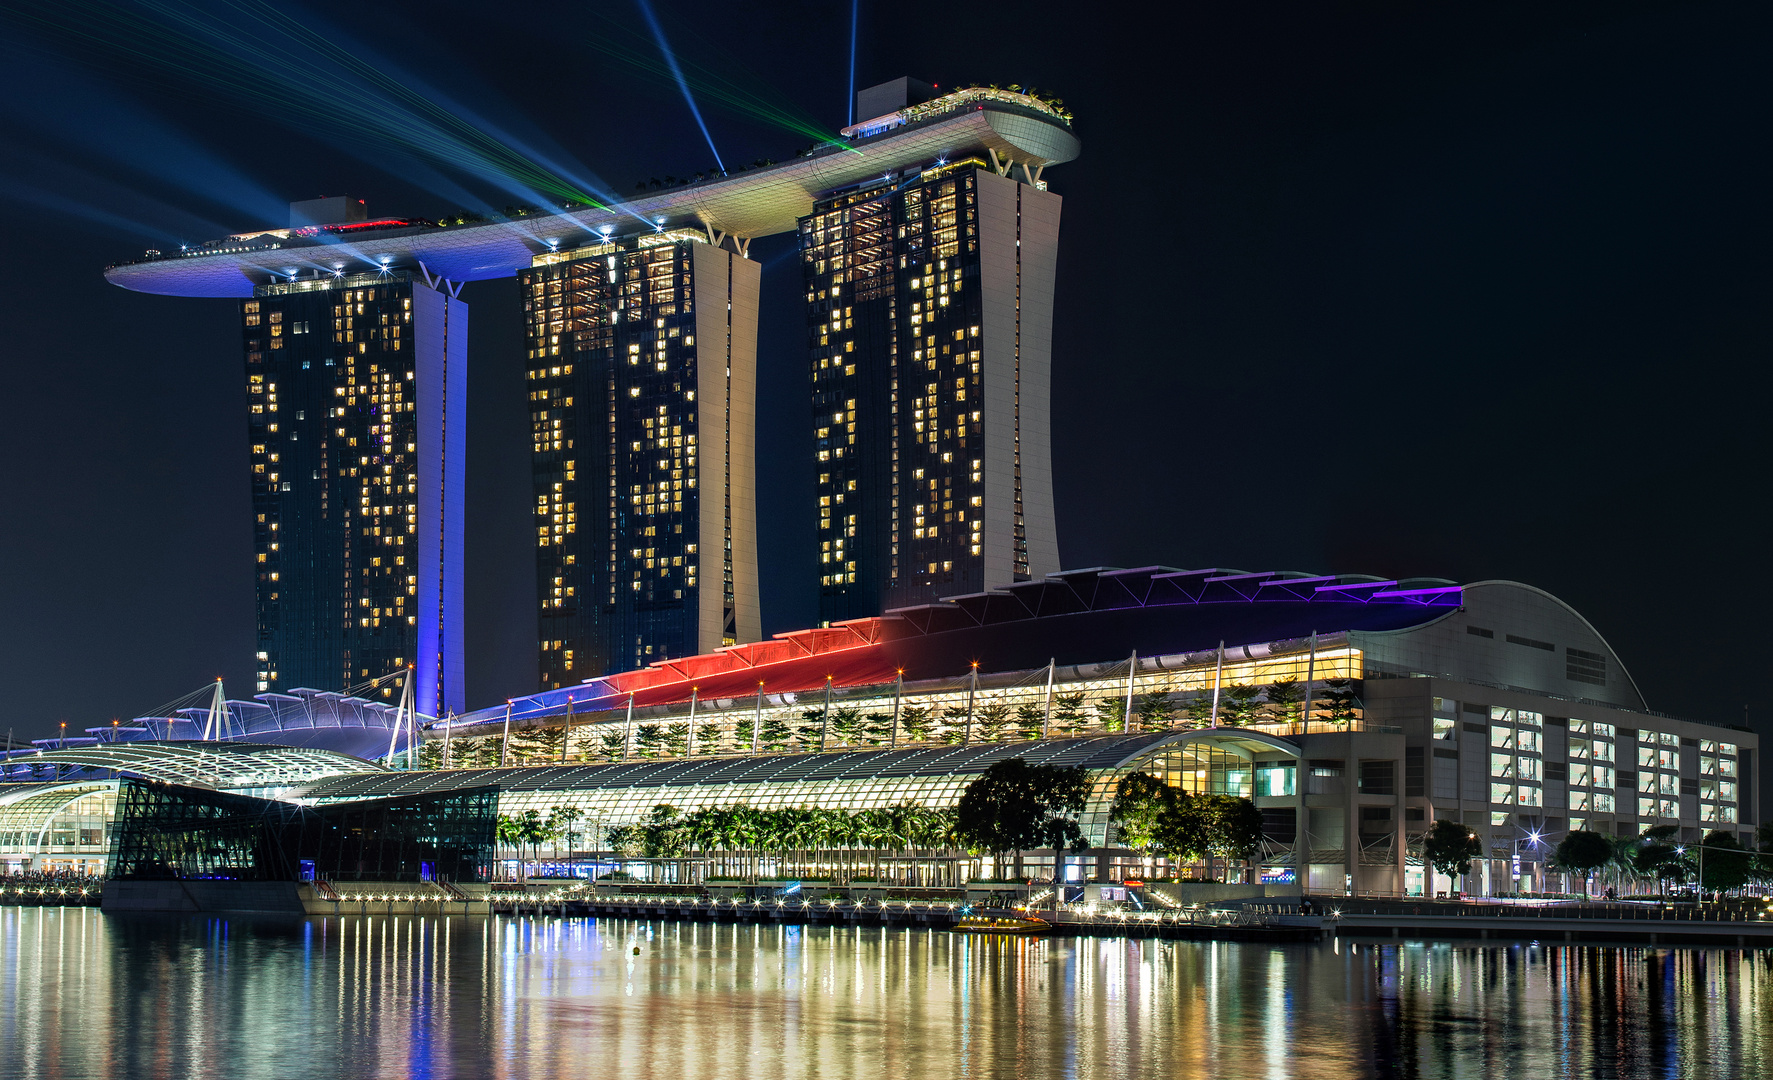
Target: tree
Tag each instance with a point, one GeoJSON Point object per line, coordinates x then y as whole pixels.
{"type": "Point", "coordinates": [1156, 711]}
{"type": "Point", "coordinates": [877, 728]}
{"type": "Point", "coordinates": [775, 733]}
{"type": "Point", "coordinates": [1199, 710]}
{"type": "Point", "coordinates": [1762, 866]}
{"type": "Point", "coordinates": [957, 728]}
{"type": "Point", "coordinates": [1140, 803]}
{"type": "Point", "coordinates": [1582, 852]}
{"type": "Point", "coordinates": [532, 829]}
{"type": "Point", "coordinates": [563, 822]}
{"type": "Point", "coordinates": [1163, 819]}
{"type": "Point", "coordinates": [1238, 705]}
{"type": "Point", "coordinates": [1659, 857]}
{"type": "Point", "coordinates": [1111, 713]}
{"type": "Point", "coordinates": [1014, 805]}
{"type": "Point", "coordinates": [1283, 695]}
{"type": "Point", "coordinates": [992, 719]}
{"type": "Point", "coordinates": [1726, 864]}
{"type": "Point", "coordinates": [1449, 847]}
{"type": "Point", "coordinates": [708, 738]}
{"type": "Point", "coordinates": [647, 738]}
{"type": "Point", "coordinates": [662, 836]}
{"type": "Point", "coordinates": [509, 831]}
{"type": "Point", "coordinates": [807, 733]}
{"type": "Point", "coordinates": [677, 739]}
{"type": "Point", "coordinates": [914, 723]}
{"type": "Point", "coordinates": [625, 841]}
{"type": "Point", "coordinates": [1068, 713]}
{"type": "Point", "coordinates": [613, 742]}
{"type": "Point", "coordinates": [1342, 696]}
{"type": "Point", "coordinates": [1030, 720]}
{"type": "Point", "coordinates": [846, 725]}
{"type": "Point", "coordinates": [1233, 828]}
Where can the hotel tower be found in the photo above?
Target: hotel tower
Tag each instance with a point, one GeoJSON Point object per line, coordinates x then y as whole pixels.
{"type": "Point", "coordinates": [929, 325]}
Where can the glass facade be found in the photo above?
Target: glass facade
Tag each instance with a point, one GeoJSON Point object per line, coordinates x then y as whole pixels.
{"type": "Point", "coordinates": [1168, 694]}
{"type": "Point", "coordinates": [631, 375]}
{"type": "Point", "coordinates": [346, 561]}
{"type": "Point", "coordinates": [168, 832]}
{"type": "Point", "coordinates": [919, 434]}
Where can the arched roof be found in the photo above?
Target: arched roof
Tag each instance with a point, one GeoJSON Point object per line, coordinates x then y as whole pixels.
{"type": "Point", "coordinates": [204, 764]}
{"type": "Point", "coordinates": [1073, 617]}
{"type": "Point", "coordinates": [1094, 752]}
{"type": "Point", "coordinates": [1507, 634]}
{"type": "Point", "coordinates": [29, 808]}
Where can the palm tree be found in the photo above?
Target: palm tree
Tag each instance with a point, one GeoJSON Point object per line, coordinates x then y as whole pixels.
{"type": "Point", "coordinates": [565, 819]}
{"type": "Point", "coordinates": [534, 831]}
{"type": "Point", "coordinates": [510, 833]}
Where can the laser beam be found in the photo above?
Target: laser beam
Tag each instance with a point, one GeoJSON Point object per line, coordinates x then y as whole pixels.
{"type": "Point", "coordinates": [646, 9]}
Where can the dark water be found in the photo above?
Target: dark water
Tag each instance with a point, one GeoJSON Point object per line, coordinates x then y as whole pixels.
{"type": "Point", "coordinates": [83, 994]}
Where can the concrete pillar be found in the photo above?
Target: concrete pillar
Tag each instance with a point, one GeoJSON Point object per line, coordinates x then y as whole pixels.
{"type": "Point", "coordinates": [1400, 835]}
{"type": "Point", "coordinates": [1351, 824]}
{"type": "Point", "coordinates": [1302, 839]}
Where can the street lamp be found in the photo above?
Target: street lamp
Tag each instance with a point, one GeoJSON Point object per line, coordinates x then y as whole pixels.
{"type": "Point", "coordinates": [1699, 886]}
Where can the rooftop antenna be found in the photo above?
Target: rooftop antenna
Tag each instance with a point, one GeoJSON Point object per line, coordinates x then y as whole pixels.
{"type": "Point", "coordinates": [216, 726]}
{"type": "Point", "coordinates": [855, 17]}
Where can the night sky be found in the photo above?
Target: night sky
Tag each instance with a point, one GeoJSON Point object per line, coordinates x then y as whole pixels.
{"type": "Point", "coordinates": [1467, 291]}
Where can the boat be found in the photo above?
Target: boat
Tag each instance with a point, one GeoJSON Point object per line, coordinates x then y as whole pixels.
{"type": "Point", "coordinates": [1000, 923]}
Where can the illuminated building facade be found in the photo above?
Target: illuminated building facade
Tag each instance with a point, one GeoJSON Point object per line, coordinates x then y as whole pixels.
{"type": "Point", "coordinates": [929, 320]}
{"type": "Point", "coordinates": [357, 387]}
{"type": "Point", "coordinates": [642, 374]}
{"type": "Point", "coordinates": [1353, 711]}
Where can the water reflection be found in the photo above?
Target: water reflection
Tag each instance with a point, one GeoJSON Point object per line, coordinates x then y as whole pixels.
{"type": "Point", "coordinates": [84, 994]}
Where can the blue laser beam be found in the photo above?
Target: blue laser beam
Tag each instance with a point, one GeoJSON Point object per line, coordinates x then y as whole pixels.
{"type": "Point", "coordinates": [682, 83]}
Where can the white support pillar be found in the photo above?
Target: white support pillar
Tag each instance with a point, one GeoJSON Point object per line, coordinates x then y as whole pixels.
{"type": "Point", "coordinates": [1046, 720]}
{"type": "Point", "coordinates": [1126, 717]}
{"type": "Point", "coordinates": [1218, 675]}
{"type": "Point", "coordinates": [757, 722]}
{"type": "Point", "coordinates": [898, 699]}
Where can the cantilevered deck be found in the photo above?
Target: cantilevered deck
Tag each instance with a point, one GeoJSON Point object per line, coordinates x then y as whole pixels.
{"type": "Point", "coordinates": [1013, 131]}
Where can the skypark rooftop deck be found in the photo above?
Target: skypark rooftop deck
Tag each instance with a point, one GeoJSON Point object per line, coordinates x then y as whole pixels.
{"type": "Point", "coordinates": [1012, 130]}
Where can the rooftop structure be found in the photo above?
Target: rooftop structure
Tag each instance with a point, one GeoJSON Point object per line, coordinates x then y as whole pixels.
{"type": "Point", "coordinates": [221, 766]}
{"type": "Point", "coordinates": [310, 719]}
{"type": "Point", "coordinates": [1078, 617]}
{"type": "Point", "coordinates": [1017, 128]}
{"type": "Point", "coordinates": [1491, 704]}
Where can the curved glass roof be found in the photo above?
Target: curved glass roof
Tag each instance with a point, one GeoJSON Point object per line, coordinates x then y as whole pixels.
{"type": "Point", "coordinates": [849, 780]}
{"type": "Point", "coordinates": [203, 764]}
{"type": "Point", "coordinates": [29, 808]}
{"type": "Point", "coordinates": [1096, 752]}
